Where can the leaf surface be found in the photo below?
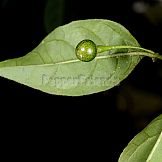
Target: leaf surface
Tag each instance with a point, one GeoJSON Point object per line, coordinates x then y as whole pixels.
{"type": "Point", "coordinates": [52, 66]}
{"type": "Point", "coordinates": [145, 146]}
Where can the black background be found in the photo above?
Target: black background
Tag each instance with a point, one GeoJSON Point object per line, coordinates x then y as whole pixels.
{"type": "Point", "coordinates": [92, 122]}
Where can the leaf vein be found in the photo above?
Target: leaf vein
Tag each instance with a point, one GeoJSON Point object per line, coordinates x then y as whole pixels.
{"type": "Point", "coordinates": [97, 36]}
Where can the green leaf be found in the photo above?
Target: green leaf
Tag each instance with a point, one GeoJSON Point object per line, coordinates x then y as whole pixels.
{"type": "Point", "coordinates": [145, 146]}
{"type": "Point", "coordinates": [52, 67]}
{"type": "Point", "coordinates": [53, 15]}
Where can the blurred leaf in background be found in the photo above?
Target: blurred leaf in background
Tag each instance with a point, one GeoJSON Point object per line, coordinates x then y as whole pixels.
{"type": "Point", "coordinates": [152, 10]}
{"type": "Point", "coordinates": [3, 3]}
{"type": "Point", "coordinates": [138, 103]}
{"type": "Point", "coordinates": [53, 16]}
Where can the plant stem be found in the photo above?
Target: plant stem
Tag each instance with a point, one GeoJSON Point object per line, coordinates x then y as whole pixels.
{"type": "Point", "coordinates": [151, 55]}
{"type": "Point", "coordinates": [108, 48]}
{"type": "Point", "coordinates": [141, 52]}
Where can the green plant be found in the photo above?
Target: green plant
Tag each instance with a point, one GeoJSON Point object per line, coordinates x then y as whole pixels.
{"type": "Point", "coordinates": [146, 146]}
{"type": "Point", "coordinates": [54, 67]}
{"type": "Point", "coordinates": [87, 50]}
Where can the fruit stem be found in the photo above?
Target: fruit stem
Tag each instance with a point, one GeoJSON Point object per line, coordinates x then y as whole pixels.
{"type": "Point", "coordinates": [141, 52]}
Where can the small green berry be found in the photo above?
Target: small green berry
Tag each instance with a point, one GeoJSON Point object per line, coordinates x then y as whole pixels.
{"type": "Point", "coordinates": [86, 50]}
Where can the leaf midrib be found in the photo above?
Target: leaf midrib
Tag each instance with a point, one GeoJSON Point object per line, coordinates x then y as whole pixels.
{"type": "Point", "coordinates": [154, 148]}
{"type": "Point", "coordinates": [76, 60]}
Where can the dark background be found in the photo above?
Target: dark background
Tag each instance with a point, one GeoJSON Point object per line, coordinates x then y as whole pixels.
{"type": "Point", "coordinates": [102, 123]}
